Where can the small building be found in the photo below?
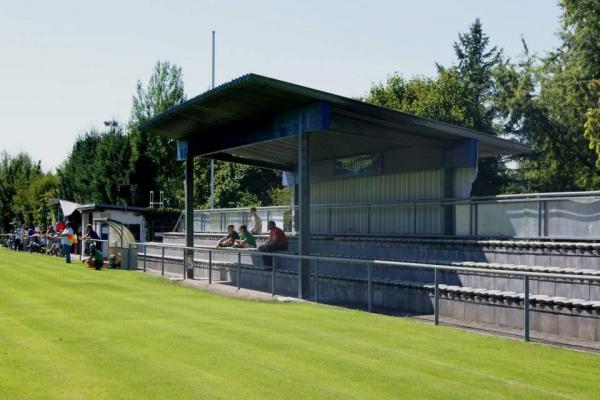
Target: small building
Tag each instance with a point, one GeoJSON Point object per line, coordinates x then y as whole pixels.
{"type": "Point", "coordinates": [131, 217]}
{"type": "Point", "coordinates": [80, 215]}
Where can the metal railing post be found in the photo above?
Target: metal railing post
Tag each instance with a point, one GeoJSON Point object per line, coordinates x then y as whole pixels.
{"type": "Point", "coordinates": [316, 281]}
{"type": "Point", "coordinates": [185, 260]}
{"type": "Point", "coordinates": [370, 287]}
{"type": "Point", "coordinates": [436, 297]}
{"type": "Point", "coordinates": [162, 262]}
{"type": "Point", "coordinates": [210, 267]}
{"type": "Point", "coordinates": [272, 281]}
{"type": "Point", "coordinates": [526, 308]}
{"type": "Point", "coordinates": [145, 255]}
{"type": "Point", "coordinates": [239, 270]}
{"type": "Point", "coordinates": [82, 250]}
{"type": "Point", "coordinates": [130, 258]}
{"type": "Point", "coordinates": [539, 219]}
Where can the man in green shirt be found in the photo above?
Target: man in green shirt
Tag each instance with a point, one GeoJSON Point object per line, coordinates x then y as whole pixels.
{"type": "Point", "coordinates": [96, 259]}
{"type": "Point", "coordinates": [246, 239]}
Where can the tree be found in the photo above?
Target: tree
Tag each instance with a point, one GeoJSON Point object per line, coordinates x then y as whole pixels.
{"type": "Point", "coordinates": [239, 185]}
{"type": "Point", "coordinates": [579, 58]}
{"type": "Point", "coordinates": [96, 167]}
{"type": "Point", "coordinates": [476, 63]}
{"type": "Point", "coordinates": [31, 202]}
{"type": "Point", "coordinates": [154, 165]}
{"type": "Point", "coordinates": [153, 159]}
{"type": "Point", "coordinates": [461, 94]}
{"type": "Point", "coordinates": [16, 175]}
{"type": "Point", "coordinates": [552, 105]}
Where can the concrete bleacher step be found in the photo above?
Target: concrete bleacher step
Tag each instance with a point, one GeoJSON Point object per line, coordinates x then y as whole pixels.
{"type": "Point", "coordinates": [526, 268]}
{"type": "Point", "coordinates": [514, 296]}
{"type": "Point", "coordinates": [489, 265]}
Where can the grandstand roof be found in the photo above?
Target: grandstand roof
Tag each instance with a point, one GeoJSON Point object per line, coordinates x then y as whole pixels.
{"type": "Point", "coordinates": [255, 109]}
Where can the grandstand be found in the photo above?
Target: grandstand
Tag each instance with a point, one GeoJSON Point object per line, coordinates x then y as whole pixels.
{"type": "Point", "coordinates": [373, 186]}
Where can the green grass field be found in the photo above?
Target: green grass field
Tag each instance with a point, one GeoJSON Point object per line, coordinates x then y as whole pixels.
{"type": "Point", "coordinates": [71, 333]}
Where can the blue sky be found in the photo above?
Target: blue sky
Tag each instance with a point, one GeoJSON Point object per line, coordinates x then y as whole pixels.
{"type": "Point", "coordinates": [66, 66]}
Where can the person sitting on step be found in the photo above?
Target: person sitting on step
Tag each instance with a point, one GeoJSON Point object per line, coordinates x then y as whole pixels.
{"type": "Point", "coordinates": [246, 239]}
{"type": "Point", "coordinates": [277, 242]}
{"type": "Point", "coordinates": [229, 240]}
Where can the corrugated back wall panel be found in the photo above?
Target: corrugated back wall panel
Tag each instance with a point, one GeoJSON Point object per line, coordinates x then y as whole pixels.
{"type": "Point", "coordinates": [333, 210]}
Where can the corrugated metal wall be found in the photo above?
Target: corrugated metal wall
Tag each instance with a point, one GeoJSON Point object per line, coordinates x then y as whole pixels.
{"type": "Point", "coordinates": [378, 190]}
{"type": "Point", "coordinates": [463, 180]}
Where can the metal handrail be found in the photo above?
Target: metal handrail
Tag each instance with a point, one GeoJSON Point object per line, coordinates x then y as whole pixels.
{"type": "Point", "coordinates": [388, 263]}
{"type": "Point", "coordinates": [526, 275]}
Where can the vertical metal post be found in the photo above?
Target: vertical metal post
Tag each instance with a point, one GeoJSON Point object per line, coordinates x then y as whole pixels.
{"type": "Point", "coordinates": [526, 308]}
{"type": "Point", "coordinates": [304, 226]}
{"type": "Point", "coordinates": [212, 162]}
{"type": "Point", "coordinates": [209, 267]}
{"type": "Point", "coordinates": [317, 281]}
{"type": "Point", "coordinates": [370, 286]}
{"type": "Point", "coordinates": [82, 249]}
{"type": "Point", "coordinates": [273, 268]}
{"type": "Point", "coordinates": [239, 271]}
{"type": "Point", "coordinates": [539, 219]}
{"type": "Point", "coordinates": [188, 255]}
{"type": "Point", "coordinates": [185, 254]}
{"type": "Point", "coordinates": [436, 297]}
{"type": "Point", "coordinates": [545, 218]}
{"type": "Point", "coordinates": [129, 257]}
{"type": "Point", "coordinates": [121, 233]}
{"type": "Point", "coordinates": [212, 184]}
{"type": "Point", "coordinates": [162, 262]}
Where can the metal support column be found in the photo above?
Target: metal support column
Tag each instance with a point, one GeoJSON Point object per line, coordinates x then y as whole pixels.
{"type": "Point", "coordinates": [239, 269]}
{"type": "Point", "coordinates": [209, 267]}
{"type": "Point", "coordinates": [436, 297]}
{"type": "Point", "coordinates": [162, 262]}
{"type": "Point", "coordinates": [273, 269]}
{"type": "Point", "coordinates": [526, 308]}
{"type": "Point", "coordinates": [189, 215]}
{"type": "Point", "coordinates": [239, 276]}
{"type": "Point", "coordinates": [316, 281]}
{"type": "Point", "coordinates": [370, 287]}
{"type": "Point", "coordinates": [304, 218]}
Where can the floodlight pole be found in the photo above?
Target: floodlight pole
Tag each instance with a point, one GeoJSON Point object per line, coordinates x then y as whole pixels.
{"type": "Point", "coordinates": [212, 162]}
